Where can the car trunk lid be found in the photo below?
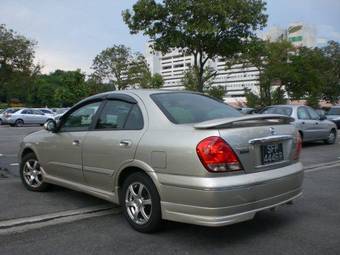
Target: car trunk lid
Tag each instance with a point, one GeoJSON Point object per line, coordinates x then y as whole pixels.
{"type": "Point", "coordinates": [261, 142]}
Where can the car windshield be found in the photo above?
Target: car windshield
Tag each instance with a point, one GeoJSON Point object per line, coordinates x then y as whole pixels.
{"type": "Point", "coordinates": [334, 111]}
{"type": "Point", "coordinates": [181, 108]}
{"type": "Point", "coordinates": [277, 110]}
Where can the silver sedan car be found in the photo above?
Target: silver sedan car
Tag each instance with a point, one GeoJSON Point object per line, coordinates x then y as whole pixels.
{"type": "Point", "coordinates": [27, 116]}
{"type": "Point", "coordinates": [311, 126]}
{"type": "Point", "coordinates": [168, 155]}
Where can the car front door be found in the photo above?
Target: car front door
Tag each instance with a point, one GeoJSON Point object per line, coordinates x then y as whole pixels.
{"type": "Point", "coordinates": [63, 149]}
{"type": "Point", "coordinates": [112, 142]}
{"type": "Point", "coordinates": [39, 117]}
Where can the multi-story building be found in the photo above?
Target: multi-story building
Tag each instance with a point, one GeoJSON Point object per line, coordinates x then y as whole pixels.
{"type": "Point", "coordinates": [235, 79]}
{"type": "Point", "coordinates": [298, 34]}
{"type": "Point", "coordinates": [172, 66]}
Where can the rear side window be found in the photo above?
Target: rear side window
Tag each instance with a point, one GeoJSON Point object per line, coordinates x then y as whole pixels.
{"type": "Point", "coordinates": [120, 115]}
{"type": "Point", "coordinates": [11, 110]}
{"type": "Point", "coordinates": [26, 112]}
{"type": "Point", "coordinates": [303, 113]}
{"type": "Point", "coordinates": [277, 110]}
{"type": "Point", "coordinates": [181, 108]}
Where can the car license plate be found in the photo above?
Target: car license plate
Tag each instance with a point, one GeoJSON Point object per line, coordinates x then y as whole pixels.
{"type": "Point", "coordinates": [271, 153]}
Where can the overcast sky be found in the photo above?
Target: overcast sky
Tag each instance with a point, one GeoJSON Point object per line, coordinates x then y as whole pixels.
{"type": "Point", "coordinates": [70, 33]}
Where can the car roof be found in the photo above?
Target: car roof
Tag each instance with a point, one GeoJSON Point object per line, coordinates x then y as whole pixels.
{"type": "Point", "coordinates": [287, 105]}
{"type": "Point", "coordinates": [138, 92]}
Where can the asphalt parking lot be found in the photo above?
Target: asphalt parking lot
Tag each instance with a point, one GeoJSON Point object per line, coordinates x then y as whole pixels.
{"type": "Point", "coordinates": [82, 224]}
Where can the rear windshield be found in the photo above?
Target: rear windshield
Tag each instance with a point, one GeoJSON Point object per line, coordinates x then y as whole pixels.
{"type": "Point", "coordinates": [277, 110]}
{"type": "Point", "coordinates": [11, 110]}
{"type": "Point", "coordinates": [181, 108]}
{"type": "Point", "coordinates": [334, 111]}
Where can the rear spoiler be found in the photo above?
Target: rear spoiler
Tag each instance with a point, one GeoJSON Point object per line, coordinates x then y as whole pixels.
{"type": "Point", "coordinates": [245, 121]}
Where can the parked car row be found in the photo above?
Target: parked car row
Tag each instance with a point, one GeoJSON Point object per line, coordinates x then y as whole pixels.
{"type": "Point", "coordinates": [21, 116]}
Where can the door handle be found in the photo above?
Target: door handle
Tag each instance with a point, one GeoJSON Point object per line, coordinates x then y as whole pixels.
{"type": "Point", "coordinates": [125, 143]}
{"type": "Point", "coordinates": [303, 122]}
{"type": "Point", "coordinates": [317, 123]}
{"type": "Point", "coordinates": [75, 142]}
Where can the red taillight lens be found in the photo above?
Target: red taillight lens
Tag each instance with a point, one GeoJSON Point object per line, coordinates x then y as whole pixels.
{"type": "Point", "coordinates": [298, 146]}
{"type": "Point", "coordinates": [217, 156]}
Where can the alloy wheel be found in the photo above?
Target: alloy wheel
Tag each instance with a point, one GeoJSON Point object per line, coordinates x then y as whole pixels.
{"type": "Point", "coordinates": [138, 203]}
{"type": "Point", "coordinates": [32, 173]}
{"type": "Point", "coordinates": [19, 123]}
{"type": "Point", "coordinates": [331, 137]}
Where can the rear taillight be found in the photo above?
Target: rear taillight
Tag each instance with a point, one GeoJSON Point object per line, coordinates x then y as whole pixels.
{"type": "Point", "coordinates": [217, 156]}
{"type": "Point", "coordinates": [298, 146]}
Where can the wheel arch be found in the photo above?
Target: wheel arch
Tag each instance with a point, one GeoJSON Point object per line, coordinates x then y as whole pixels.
{"type": "Point", "coordinates": [136, 167]}
{"type": "Point", "coordinates": [28, 150]}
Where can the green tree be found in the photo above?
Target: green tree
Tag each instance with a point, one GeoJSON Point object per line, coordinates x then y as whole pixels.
{"type": "Point", "coordinates": [331, 89]}
{"type": "Point", "coordinates": [156, 81]}
{"type": "Point", "coordinates": [202, 28]}
{"type": "Point", "coordinates": [139, 75]}
{"type": "Point", "coordinates": [112, 64]}
{"type": "Point", "coordinates": [191, 79]}
{"type": "Point", "coordinates": [16, 64]}
{"type": "Point", "coordinates": [272, 60]}
{"type": "Point", "coordinates": [252, 99]}
{"type": "Point", "coordinates": [217, 92]}
{"type": "Point", "coordinates": [308, 75]}
{"type": "Point", "coordinates": [58, 89]}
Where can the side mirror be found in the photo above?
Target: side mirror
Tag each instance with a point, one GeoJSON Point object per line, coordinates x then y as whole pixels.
{"type": "Point", "coordinates": [51, 126]}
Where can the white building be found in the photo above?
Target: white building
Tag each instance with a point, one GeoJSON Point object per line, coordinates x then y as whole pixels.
{"type": "Point", "coordinates": [173, 65]}
{"type": "Point", "coordinates": [235, 79]}
{"type": "Point", "coordinates": [299, 34]}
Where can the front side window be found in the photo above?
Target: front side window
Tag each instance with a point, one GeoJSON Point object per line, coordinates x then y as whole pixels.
{"type": "Point", "coordinates": [120, 115]}
{"type": "Point", "coordinates": [313, 114]}
{"type": "Point", "coordinates": [80, 119]}
{"type": "Point", "coordinates": [303, 113]}
{"type": "Point", "coordinates": [181, 108]}
{"type": "Point", "coordinates": [37, 112]}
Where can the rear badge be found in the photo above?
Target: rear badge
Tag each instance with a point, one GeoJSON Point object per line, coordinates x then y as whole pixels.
{"type": "Point", "coordinates": [272, 131]}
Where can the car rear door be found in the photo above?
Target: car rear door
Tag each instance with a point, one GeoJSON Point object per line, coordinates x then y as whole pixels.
{"type": "Point", "coordinates": [321, 129]}
{"type": "Point", "coordinates": [112, 142]}
{"type": "Point", "coordinates": [306, 124]}
{"type": "Point", "coordinates": [26, 116]}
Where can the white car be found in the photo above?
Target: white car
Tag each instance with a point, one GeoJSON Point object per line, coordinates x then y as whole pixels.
{"type": "Point", "coordinates": [27, 116]}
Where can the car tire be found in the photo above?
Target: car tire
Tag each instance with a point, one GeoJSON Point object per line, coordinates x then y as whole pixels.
{"type": "Point", "coordinates": [19, 123]}
{"type": "Point", "coordinates": [141, 203]}
{"type": "Point", "coordinates": [31, 173]}
{"type": "Point", "coordinates": [331, 137]}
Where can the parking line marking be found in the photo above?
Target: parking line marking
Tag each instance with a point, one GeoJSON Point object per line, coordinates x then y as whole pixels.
{"type": "Point", "coordinates": [322, 166]}
{"type": "Point", "coordinates": [14, 164]}
{"type": "Point", "coordinates": [29, 223]}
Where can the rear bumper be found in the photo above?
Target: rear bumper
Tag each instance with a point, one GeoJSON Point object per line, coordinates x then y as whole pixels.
{"type": "Point", "coordinates": [226, 200]}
